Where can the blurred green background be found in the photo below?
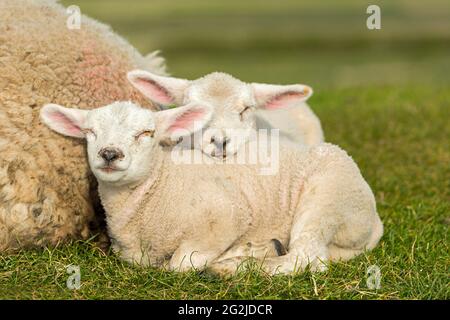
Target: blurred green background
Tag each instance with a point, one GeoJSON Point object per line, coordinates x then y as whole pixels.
{"type": "Point", "coordinates": [325, 44]}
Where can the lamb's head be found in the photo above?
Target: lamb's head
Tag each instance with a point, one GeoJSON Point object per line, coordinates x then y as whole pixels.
{"type": "Point", "coordinates": [122, 136]}
{"type": "Point", "coordinates": [235, 104]}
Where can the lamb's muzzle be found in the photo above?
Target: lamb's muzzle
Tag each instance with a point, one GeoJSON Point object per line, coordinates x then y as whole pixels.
{"type": "Point", "coordinates": [110, 154]}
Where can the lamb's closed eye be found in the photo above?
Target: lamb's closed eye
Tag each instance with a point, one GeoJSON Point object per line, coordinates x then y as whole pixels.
{"type": "Point", "coordinates": [145, 133]}
{"type": "Point", "coordinates": [245, 111]}
{"type": "Point", "coordinates": [89, 132]}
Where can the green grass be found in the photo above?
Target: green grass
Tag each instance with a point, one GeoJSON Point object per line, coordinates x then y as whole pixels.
{"type": "Point", "coordinates": [381, 95]}
{"type": "Point", "coordinates": [399, 138]}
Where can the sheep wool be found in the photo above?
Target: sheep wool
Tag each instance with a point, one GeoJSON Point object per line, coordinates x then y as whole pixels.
{"type": "Point", "coordinates": [47, 192]}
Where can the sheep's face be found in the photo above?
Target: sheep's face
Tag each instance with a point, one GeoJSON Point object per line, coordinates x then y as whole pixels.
{"type": "Point", "coordinates": [234, 102]}
{"type": "Point", "coordinates": [119, 142]}
{"type": "Point", "coordinates": [233, 120]}
{"type": "Point", "coordinates": [121, 137]}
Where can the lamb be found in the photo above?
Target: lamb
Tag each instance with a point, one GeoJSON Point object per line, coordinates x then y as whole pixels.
{"type": "Point", "coordinates": [238, 106]}
{"type": "Point", "coordinates": [47, 193]}
{"type": "Point", "coordinates": [195, 216]}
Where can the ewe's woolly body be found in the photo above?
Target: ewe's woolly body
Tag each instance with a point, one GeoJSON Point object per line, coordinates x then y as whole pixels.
{"type": "Point", "coordinates": [230, 205]}
{"type": "Point", "coordinates": [45, 193]}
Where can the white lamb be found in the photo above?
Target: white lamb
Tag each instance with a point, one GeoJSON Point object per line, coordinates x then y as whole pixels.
{"type": "Point", "coordinates": [198, 215]}
{"type": "Point", "coordinates": [238, 106]}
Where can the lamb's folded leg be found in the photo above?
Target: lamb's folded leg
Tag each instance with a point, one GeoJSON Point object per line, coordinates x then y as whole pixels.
{"type": "Point", "coordinates": [242, 254]}
{"type": "Point", "coordinates": [255, 249]}
{"type": "Point", "coordinates": [196, 254]}
{"type": "Point", "coordinates": [202, 248]}
{"type": "Point", "coordinates": [186, 257]}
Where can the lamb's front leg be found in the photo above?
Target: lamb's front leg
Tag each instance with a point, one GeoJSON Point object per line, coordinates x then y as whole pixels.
{"type": "Point", "coordinates": [243, 253]}
{"type": "Point", "coordinates": [221, 257]}
{"type": "Point", "coordinates": [210, 240]}
{"type": "Point", "coordinates": [198, 254]}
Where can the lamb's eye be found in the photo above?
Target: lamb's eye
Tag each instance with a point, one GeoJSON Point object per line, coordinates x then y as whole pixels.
{"type": "Point", "coordinates": [88, 131]}
{"type": "Point", "coordinates": [241, 114]}
{"type": "Point", "coordinates": [145, 133]}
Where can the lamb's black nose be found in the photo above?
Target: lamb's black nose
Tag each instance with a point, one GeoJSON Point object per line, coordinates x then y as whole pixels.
{"type": "Point", "coordinates": [220, 144]}
{"type": "Point", "coordinates": [110, 154]}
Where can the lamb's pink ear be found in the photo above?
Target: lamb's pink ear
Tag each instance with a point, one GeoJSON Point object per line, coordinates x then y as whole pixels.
{"type": "Point", "coordinates": [66, 121]}
{"type": "Point", "coordinates": [273, 97]}
{"type": "Point", "coordinates": [182, 121]}
{"type": "Point", "coordinates": [159, 89]}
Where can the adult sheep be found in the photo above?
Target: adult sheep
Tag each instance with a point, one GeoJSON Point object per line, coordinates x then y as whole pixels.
{"type": "Point", "coordinates": [45, 186]}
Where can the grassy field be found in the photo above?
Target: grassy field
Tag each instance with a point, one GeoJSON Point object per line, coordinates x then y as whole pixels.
{"type": "Point", "coordinates": [381, 95]}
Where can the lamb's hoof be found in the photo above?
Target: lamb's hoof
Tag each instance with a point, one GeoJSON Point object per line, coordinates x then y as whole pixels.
{"type": "Point", "coordinates": [229, 267]}
{"type": "Point", "coordinates": [292, 264]}
{"type": "Point", "coordinates": [278, 246]}
{"type": "Point", "coordinates": [273, 248]}
{"type": "Point", "coordinates": [103, 243]}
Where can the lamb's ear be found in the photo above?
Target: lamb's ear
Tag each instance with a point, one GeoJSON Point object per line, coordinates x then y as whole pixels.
{"type": "Point", "coordinates": [181, 121]}
{"type": "Point", "coordinates": [159, 89]}
{"type": "Point", "coordinates": [66, 121]}
{"type": "Point", "coordinates": [272, 97]}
